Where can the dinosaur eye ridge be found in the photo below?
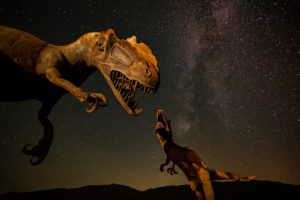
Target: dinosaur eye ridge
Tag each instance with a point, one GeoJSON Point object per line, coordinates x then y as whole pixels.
{"type": "Point", "coordinates": [119, 54]}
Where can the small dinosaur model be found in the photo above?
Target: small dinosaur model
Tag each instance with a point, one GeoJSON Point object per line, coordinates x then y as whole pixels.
{"type": "Point", "coordinates": [196, 171]}
{"type": "Point", "coordinates": [34, 69]}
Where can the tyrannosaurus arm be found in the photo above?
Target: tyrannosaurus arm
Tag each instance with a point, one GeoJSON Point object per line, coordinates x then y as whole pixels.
{"type": "Point", "coordinates": [53, 75]}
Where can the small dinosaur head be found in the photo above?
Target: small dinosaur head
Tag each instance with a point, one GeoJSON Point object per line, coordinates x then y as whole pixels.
{"type": "Point", "coordinates": [127, 66]}
{"type": "Point", "coordinates": [163, 128]}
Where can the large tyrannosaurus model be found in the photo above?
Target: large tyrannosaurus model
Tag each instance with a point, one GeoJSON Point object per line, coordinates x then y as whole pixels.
{"type": "Point", "coordinates": [196, 171]}
{"type": "Point", "coordinates": [33, 69]}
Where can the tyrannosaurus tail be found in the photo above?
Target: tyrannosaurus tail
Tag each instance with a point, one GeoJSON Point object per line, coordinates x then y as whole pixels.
{"type": "Point", "coordinates": [216, 175]}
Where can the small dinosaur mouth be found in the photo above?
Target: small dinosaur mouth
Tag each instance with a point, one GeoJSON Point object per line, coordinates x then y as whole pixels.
{"type": "Point", "coordinates": [127, 89]}
{"type": "Point", "coordinates": [161, 119]}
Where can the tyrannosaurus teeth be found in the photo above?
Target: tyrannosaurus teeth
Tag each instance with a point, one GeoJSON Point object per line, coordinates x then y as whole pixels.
{"type": "Point", "coordinates": [135, 102]}
{"type": "Point", "coordinates": [113, 75]}
{"type": "Point", "coordinates": [134, 85]}
{"type": "Point", "coordinates": [123, 96]}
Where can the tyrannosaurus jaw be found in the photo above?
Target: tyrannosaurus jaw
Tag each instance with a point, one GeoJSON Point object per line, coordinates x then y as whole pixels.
{"type": "Point", "coordinates": [125, 90]}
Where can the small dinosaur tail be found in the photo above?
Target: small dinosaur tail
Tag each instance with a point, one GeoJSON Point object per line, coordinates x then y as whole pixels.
{"type": "Point", "coordinates": [216, 175]}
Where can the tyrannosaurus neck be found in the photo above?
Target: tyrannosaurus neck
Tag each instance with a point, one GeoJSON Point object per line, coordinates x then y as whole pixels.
{"type": "Point", "coordinates": [76, 53]}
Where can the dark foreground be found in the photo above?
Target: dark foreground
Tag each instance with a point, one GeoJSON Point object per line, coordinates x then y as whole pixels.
{"type": "Point", "coordinates": [263, 190]}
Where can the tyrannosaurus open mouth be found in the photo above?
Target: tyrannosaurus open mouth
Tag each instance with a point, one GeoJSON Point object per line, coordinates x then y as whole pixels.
{"type": "Point", "coordinates": [125, 90]}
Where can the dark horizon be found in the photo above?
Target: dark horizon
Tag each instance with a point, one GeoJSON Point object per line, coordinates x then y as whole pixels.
{"type": "Point", "coordinates": [223, 190]}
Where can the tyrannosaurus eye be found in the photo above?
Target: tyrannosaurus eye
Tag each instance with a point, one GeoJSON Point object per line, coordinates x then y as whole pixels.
{"type": "Point", "coordinates": [100, 45]}
{"type": "Point", "coordinates": [120, 54]}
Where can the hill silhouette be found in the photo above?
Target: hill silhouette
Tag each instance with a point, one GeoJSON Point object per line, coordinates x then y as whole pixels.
{"type": "Point", "coordinates": [254, 190]}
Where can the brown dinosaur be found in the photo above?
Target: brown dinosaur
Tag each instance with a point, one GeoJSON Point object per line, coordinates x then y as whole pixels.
{"type": "Point", "coordinates": [34, 69]}
{"type": "Point", "coordinates": [196, 171]}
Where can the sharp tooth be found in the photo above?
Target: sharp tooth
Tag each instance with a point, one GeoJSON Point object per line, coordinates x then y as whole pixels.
{"type": "Point", "coordinates": [119, 82]}
{"type": "Point", "coordinates": [125, 98]}
{"type": "Point", "coordinates": [135, 104]}
{"type": "Point", "coordinates": [134, 85]}
{"type": "Point", "coordinates": [129, 97]}
{"type": "Point", "coordinates": [119, 87]}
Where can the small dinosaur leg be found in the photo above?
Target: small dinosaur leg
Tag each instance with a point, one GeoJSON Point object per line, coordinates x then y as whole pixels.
{"type": "Point", "coordinates": [40, 151]}
{"type": "Point", "coordinates": [164, 164]}
{"type": "Point", "coordinates": [205, 179]}
{"type": "Point", "coordinates": [197, 188]}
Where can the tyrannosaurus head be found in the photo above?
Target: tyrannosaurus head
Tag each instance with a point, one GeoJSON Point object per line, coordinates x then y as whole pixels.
{"type": "Point", "coordinates": [163, 128]}
{"type": "Point", "coordinates": [127, 66]}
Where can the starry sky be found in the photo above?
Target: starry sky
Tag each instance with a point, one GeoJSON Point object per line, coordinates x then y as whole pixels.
{"type": "Point", "coordinates": [229, 83]}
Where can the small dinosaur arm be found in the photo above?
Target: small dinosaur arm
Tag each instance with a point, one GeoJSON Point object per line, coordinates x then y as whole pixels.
{"type": "Point", "coordinates": [34, 69]}
{"type": "Point", "coordinates": [196, 171]}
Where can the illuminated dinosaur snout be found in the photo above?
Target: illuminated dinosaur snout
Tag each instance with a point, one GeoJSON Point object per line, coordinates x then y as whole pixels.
{"type": "Point", "coordinates": [129, 67]}
{"type": "Point", "coordinates": [163, 127]}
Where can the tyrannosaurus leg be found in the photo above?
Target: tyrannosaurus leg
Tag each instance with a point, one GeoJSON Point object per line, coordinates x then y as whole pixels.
{"type": "Point", "coordinates": [40, 151]}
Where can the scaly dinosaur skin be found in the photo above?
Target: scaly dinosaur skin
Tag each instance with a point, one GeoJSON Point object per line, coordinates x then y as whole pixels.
{"type": "Point", "coordinates": [196, 171]}
{"type": "Point", "coordinates": [34, 69]}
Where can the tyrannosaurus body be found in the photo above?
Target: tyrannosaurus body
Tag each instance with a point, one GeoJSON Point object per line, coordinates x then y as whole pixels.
{"type": "Point", "coordinates": [34, 69]}
{"type": "Point", "coordinates": [196, 171]}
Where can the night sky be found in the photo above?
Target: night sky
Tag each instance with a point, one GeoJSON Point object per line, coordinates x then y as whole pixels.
{"type": "Point", "coordinates": [229, 83]}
